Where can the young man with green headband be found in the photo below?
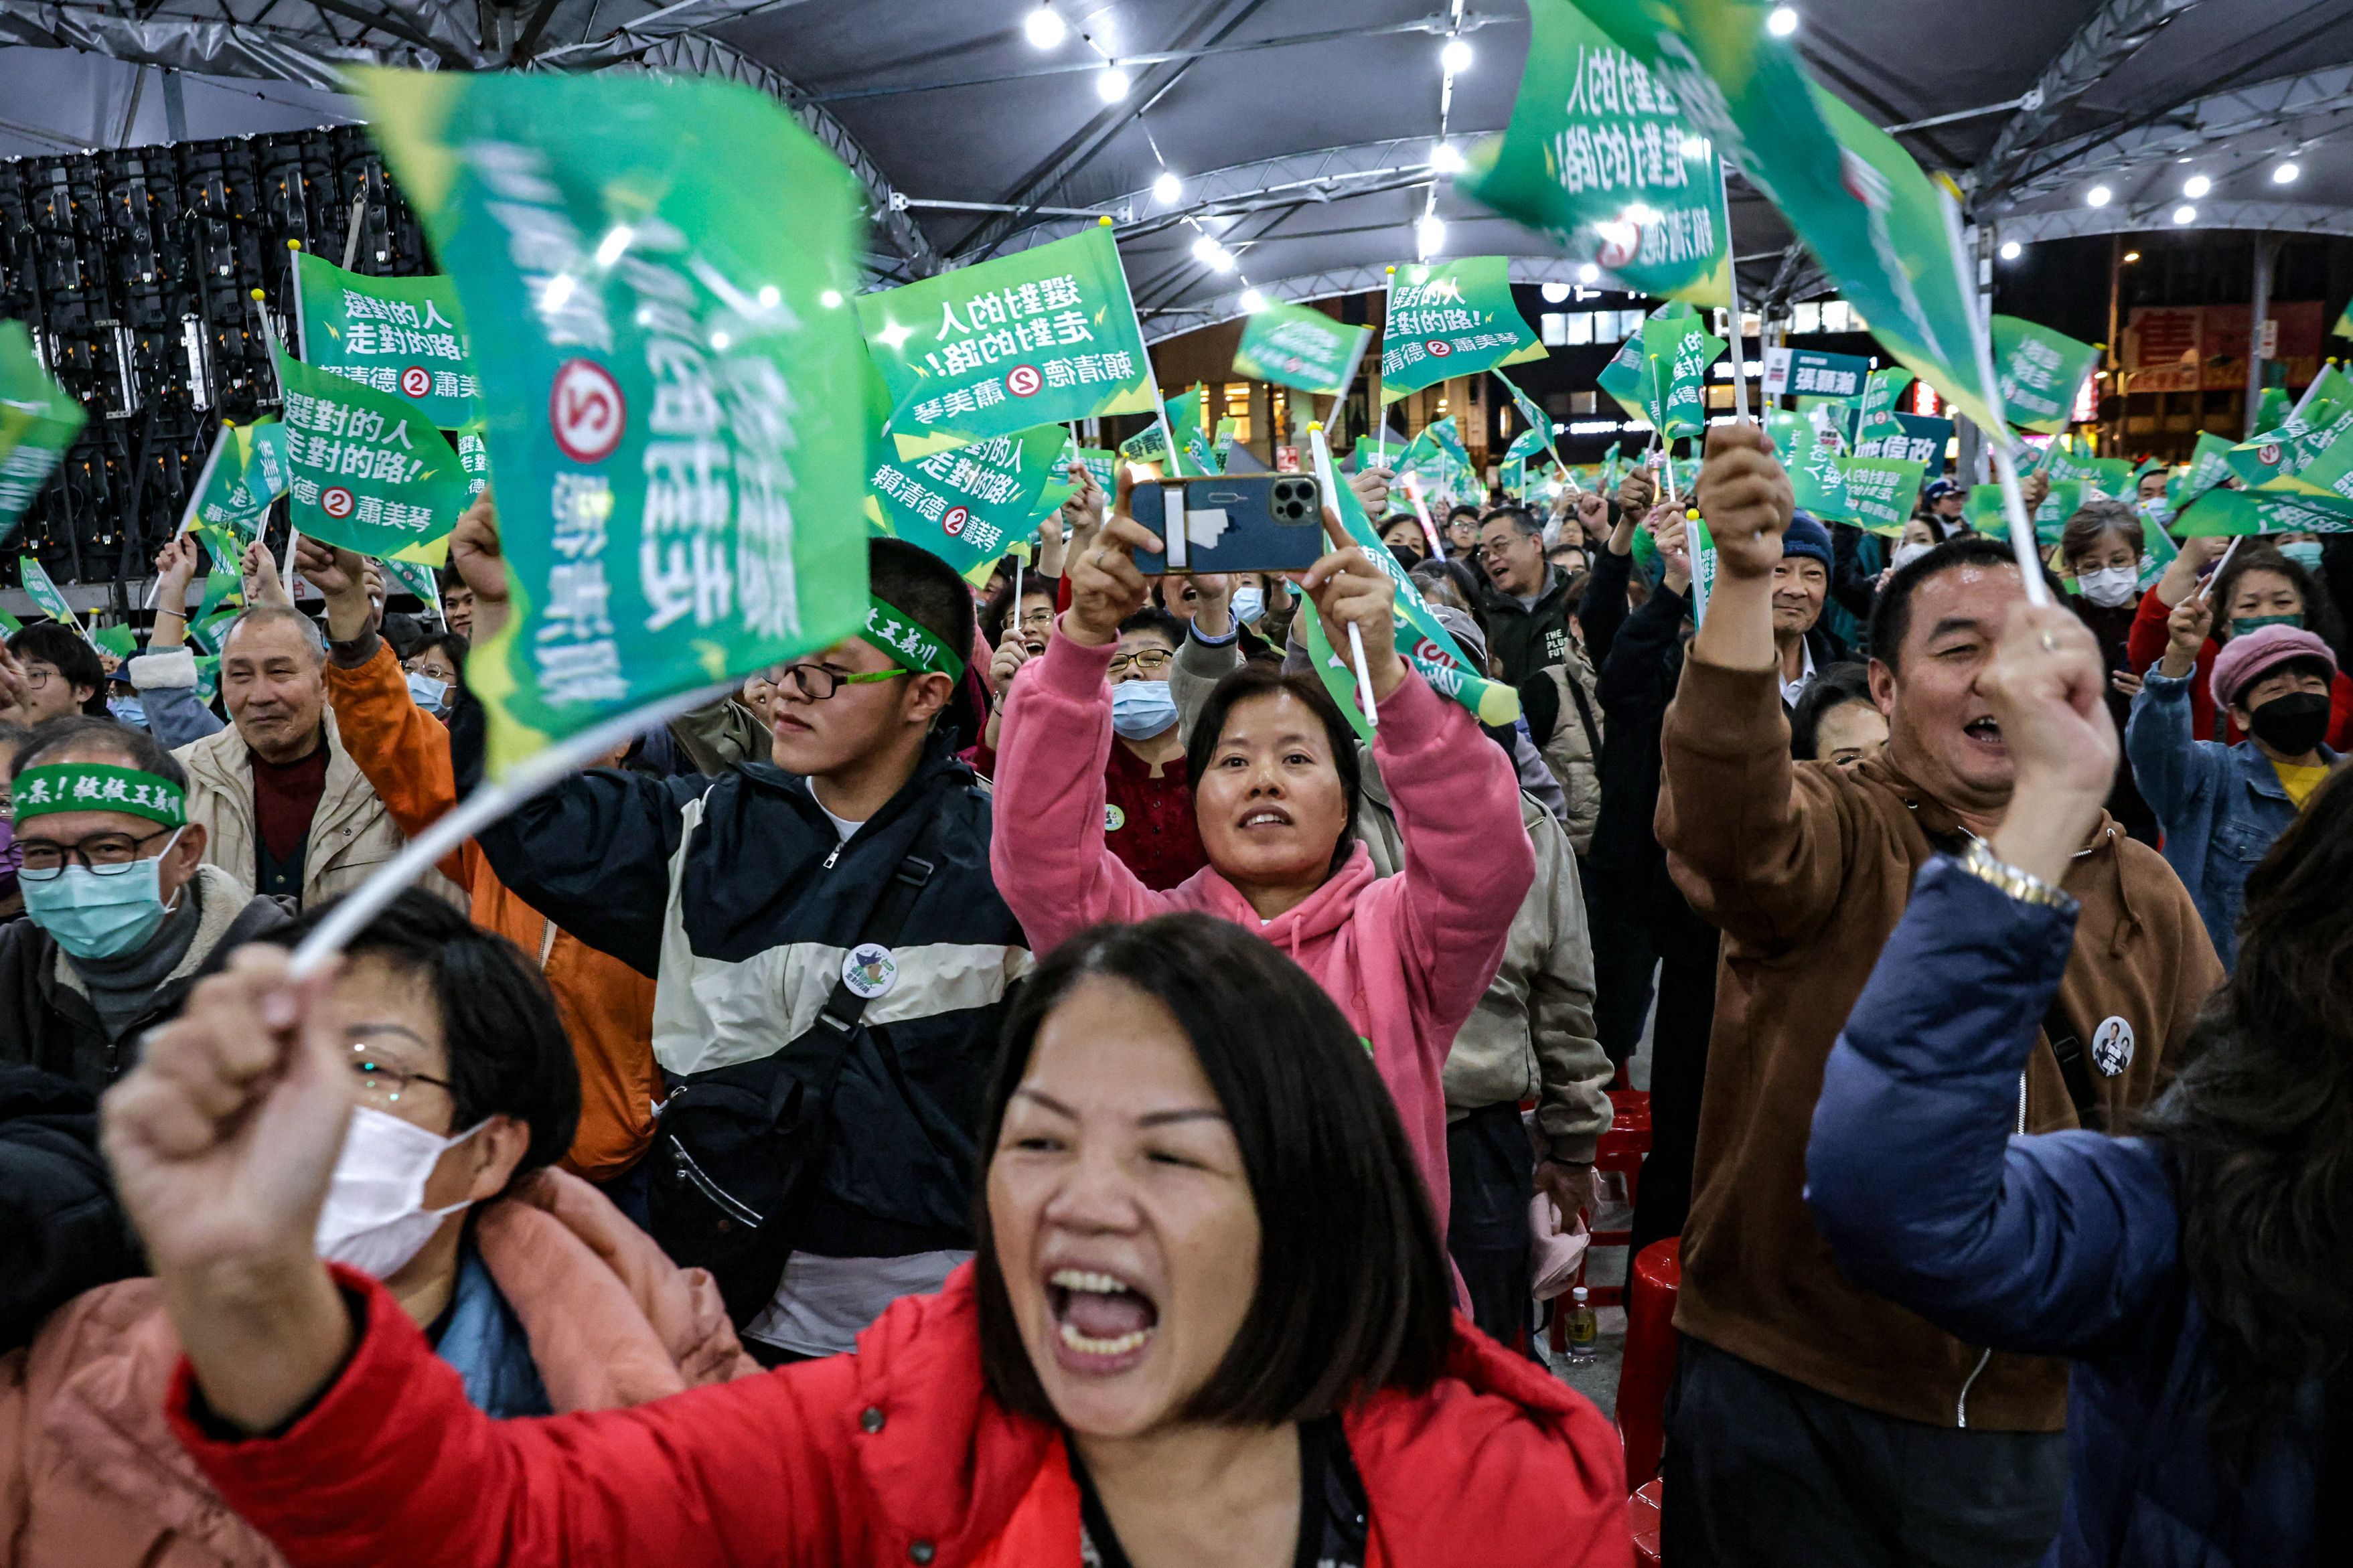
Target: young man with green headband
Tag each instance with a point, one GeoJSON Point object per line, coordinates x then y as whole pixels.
{"type": "Point", "coordinates": [122, 915]}
{"type": "Point", "coordinates": [753, 898]}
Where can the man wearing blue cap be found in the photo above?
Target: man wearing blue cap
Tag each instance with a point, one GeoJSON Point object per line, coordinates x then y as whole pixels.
{"type": "Point", "coordinates": [1800, 583]}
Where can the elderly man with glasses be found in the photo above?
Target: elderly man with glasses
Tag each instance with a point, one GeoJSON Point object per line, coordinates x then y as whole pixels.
{"type": "Point", "coordinates": [124, 914]}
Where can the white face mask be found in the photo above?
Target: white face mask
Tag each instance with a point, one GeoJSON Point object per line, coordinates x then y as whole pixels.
{"type": "Point", "coordinates": [375, 1218]}
{"type": "Point", "coordinates": [2109, 587]}
{"type": "Point", "coordinates": [1907, 554]}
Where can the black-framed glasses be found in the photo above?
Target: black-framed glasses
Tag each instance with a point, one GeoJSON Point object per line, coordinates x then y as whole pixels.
{"type": "Point", "coordinates": [381, 1083]}
{"type": "Point", "coordinates": [105, 854]}
{"type": "Point", "coordinates": [817, 682]}
{"type": "Point", "coordinates": [1150, 660]}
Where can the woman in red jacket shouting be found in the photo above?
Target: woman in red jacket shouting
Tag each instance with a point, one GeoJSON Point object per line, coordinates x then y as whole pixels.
{"type": "Point", "coordinates": [1206, 1323]}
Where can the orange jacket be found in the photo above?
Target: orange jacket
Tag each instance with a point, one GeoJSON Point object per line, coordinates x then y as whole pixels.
{"type": "Point", "coordinates": [608, 1008]}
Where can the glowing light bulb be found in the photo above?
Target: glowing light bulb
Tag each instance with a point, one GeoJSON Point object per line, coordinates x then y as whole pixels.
{"type": "Point", "coordinates": [1782, 22]}
{"type": "Point", "coordinates": [1254, 301]}
{"type": "Point", "coordinates": [2098, 197]}
{"type": "Point", "coordinates": [1446, 158]}
{"type": "Point", "coordinates": [2196, 186]}
{"type": "Point", "coordinates": [1045, 27]}
{"type": "Point", "coordinates": [2284, 174]}
{"type": "Point", "coordinates": [2185, 213]}
{"type": "Point", "coordinates": [1167, 188]}
{"type": "Point", "coordinates": [2010, 249]}
{"type": "Point", "coordinates": [1456, 56]}
{"type": "Point", "coordinates": [1555, 293]}
{"type": "Point", "coordinates": [1111, 84]}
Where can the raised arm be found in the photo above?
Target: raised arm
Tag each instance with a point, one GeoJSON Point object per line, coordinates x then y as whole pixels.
{"type": "Point", "coordinates": [315, 1404]}
{"type": "Point", "coordinates": [1046, 845]}
{"type": "Point", "coordinates": [2172, 768]}
{"type": "Point", "coordinates": [2036, 1244]}
{"type": "Point", "coordinates": [1755, 844]}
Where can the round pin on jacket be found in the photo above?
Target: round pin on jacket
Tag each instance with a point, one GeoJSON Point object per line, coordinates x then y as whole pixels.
{"type": "Point", "coordinates": [2112, 1045]}
{"type": "Point", "coordinates": [870, 970]}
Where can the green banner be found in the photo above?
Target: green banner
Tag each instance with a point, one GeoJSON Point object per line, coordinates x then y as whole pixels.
{"type": "Point", "coordinates": [2039, 371]}
{"type": "Point", "coordinates": [1451, 318]}
{"type": "Point", "coordinates": [121, 641]}
{"type": "Point", "coordinates": [2228, 511]}
{"type": "Point", "coordinates": [1295, 346]}
{"type": "Point", "coordinates": [1880, 493]}
{"type": "Point", "coordinates": [1425, 644]}
{"type": "Point", "coordinates": [1855, 197]}
{"type": "Point", "coordinates": [1600, 157]}
{"type": "Point", "coordinates": [366, 471]}
{"type": "Point", "coordinates": [404, 337]}
{"type": "Point", "coordinates": [247, 473]}
{"type": "Point", "coordinates": [2157, 549]}
{"type": "Point", "coordinates": [968, 506]}
{"type": "Point", "coordinates": [1627, 381]}
{"type": "Point", "coordinates": [1539, 423]}
{"type": "Point", "coordinates": [38, 420]}
{"type": "Point", "coordinates": [678, 417]}
{"type": "Point", "coordinates": [1876, 422]}
{"type": "Point", "coordinates": [2303, 458]}
{"type": "Point", "coordinates": [44, 592]}
{"type": "Point", "coordinates": [1103, 467]}
{"type": "Point", "coordinates": [1914, 438]}
{"type": "Point", "coordinates": [1818, 484]}
{"type": "Point", "coordinates": [1040, 337]}
{"type": "Point", "coordinates": [1680, 351]}
{"type": "Point", "coordinates": [411, 578]}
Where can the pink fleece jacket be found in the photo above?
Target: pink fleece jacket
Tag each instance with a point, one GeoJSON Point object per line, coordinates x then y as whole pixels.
{"type": "Point", "coordinates": [1407, 958]}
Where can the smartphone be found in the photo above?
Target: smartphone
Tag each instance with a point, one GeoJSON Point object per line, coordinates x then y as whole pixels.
{"type": "Point", "coordinates": [1247, 523]}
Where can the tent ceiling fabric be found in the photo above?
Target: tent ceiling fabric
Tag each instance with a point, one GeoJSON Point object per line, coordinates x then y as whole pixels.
{"type": "Point", "coordinates": [1302, 130]}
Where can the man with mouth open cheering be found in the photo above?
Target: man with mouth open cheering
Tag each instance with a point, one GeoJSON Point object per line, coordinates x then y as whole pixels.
{"type": "Point", "coordinates": [1814, 1422]}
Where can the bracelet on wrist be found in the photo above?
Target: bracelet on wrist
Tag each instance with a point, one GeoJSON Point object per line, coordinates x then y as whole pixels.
{"type": "Point", "coordinates": [167, 610]}
{"type": "Point", "coordinates": [1979, 861]}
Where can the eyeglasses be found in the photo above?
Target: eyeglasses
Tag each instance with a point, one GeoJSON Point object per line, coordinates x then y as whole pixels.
{"type": "Point", "coordinates": [1042, 618]}
{"type": "Point", "coordinates": [37, 676]}
{"type": "Point", "coordinates": [1150, 660]}
{"type": "Point", "coordinates": [817, 682]}
{"type": "Point", "coordinates": [105, 854]}
{"type": "Point", "coordinates": [1494, 552]}
{"type": "Point", "coordinates": [382, 1084]}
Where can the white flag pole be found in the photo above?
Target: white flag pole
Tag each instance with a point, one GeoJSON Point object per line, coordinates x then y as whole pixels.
{"type": "Point", "coordinates": [1381, 413]}
{"type": "Point", "coordinates": [1732, 270]}
{"type": "Point", "coordinates": [1412, 483]}
{"type": "Point", "coordinates": [478, 810]}
{"type": "Point", "coordinates": [195, 499]}
{"type": "Point", "coordinates": [2215, 575]}
{"type": "Point", "coordinates": [1998, 439]}
{"type": "Point", "coordinates": [1348, 379]}
{"type": "Point", "coordinates": [1328, 476]}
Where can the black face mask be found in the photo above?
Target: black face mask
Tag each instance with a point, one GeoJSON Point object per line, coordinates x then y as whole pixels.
{"type": "Point", "coordinates": [1407, 555]}
{"type": "Point", "coordinates": [2291, 725]}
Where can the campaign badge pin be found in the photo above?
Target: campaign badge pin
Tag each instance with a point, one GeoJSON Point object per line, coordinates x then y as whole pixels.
{"type": "Point", "coordinates": [1114, 818]}
{"type": "Point", "coordinates": [870, 970]}
{"type": "Point", "coordinates": [2112, 1045]}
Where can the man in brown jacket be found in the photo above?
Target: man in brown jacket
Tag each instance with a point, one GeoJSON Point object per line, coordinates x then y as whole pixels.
{"type": "Point", "coordinates": [1812, 1421]}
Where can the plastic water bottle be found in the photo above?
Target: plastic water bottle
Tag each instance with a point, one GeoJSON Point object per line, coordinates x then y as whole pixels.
{"type": "Point", "coordinates": [1584, 1327]}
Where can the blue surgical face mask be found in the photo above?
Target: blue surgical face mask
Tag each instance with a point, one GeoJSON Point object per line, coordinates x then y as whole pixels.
{"type": "Point", "coordinates": [2304, 553]}
{"type": "Point", "coordinates": [128, 711]}
{"type": "Point", "coordinates": [1142, 708]}
{"type": "Point", "coordinates": [94, 916]}
{"type": "Point", "coordinates": [1249, 603]}
{"type": "Point", "coordinates": [427, 691]}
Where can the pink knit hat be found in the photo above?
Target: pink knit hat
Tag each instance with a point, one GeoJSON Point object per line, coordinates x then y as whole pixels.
{"type": "Point", "coordinates": [2247, 660]}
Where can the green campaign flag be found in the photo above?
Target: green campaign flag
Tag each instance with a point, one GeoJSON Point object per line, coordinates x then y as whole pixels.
{"type": "Point", "coordinates": [677, 420]}
{"type": "Point", "coordinates": [368, 472]}
{"type": "Point", "coordinates": [1222, 447]}
{"type": "Point", "coordinates": [221, 589]}
{"type": "Point", "coordinates": [208, 631]}
{"type": "Point", "coordinates": [1984, 513]}
{"type": "Point", "coordinates": [2210, 465]}
{"type": "Point", "coordinates": [207, 676]}
{"type": "Point", "coordinates": [1818, 484]}
{"type": "Point", "coordinates": [45, 594]}
{"type": "Point", "coordinates": [1791, 433]}
{"type": "Point", "coordinates": [2157, 549]}
{"type": "Point", "coordinates": [1421, 641]}
{"type": "Point", "coordinates": [120, 641]}
{"type": "Point", "coordinates": [1451, 318]}
{"type": "Point", "coordinates": [2343, 327]}
{"type": "Point", "coordinates": [970, 505]}
{"type": "Point", "coordinates": [1600, 157]}
{"type": "Point", "coordinates": [1042, 337]}
{"type": "Point", "coordinates": [38, 420]}
{"type": "Point", "coordinates": [1524, 448]}
{"type": "Point", "coordinates": [1295, 346]}
{"type": "Point", "coordinates": [9, 625]}
{"type": "Point", "coordinates": [1680, 352]}
{"type": "Point", "coordinates": [1103, 467]}
{"type": "Point", "coordinates": [1876, 223]}
{"type": "Point", "coordinates": [1876, 422]}
{"type": "Point", "coordinates": [474, 457]}
{"type": "Point", "coordinates": [1628, 380]}
{"type": "Point", "coordinates": [1880, 493]}
{"type": "Point", "coordinates": [2039, 373]}
{"type": "Point", "coordinates": [1179, 416]}
{"type": "Point", "coordinates": [1538, 422]}
{"type": "Point", "coordinates": [1702, 555]}
{"type": "Point", "coordinates": [2228, 511]}
{"type": "Point", "coordinates": [2270, 408]}
{"type": "Point", "coordinates": [244, 477]}
{"type": "Point", "coordinates": [411, 577]}
{"type": "Point", "coordinates": [403, 336]}
{"type": "Point", "coordinates": [2300, 457]}
{"type": "Point", "coordinates": [2111, 476]}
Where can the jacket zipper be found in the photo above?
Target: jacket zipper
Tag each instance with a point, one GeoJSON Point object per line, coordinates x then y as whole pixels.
{"type": "Point", "coordinates": [835, 856]}
{"type": "Point", "coordinates": [1961, 1410]}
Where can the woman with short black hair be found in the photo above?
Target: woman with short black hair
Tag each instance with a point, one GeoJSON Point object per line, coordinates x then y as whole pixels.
{"type": "Point", "coordinates": [1207, 1323]}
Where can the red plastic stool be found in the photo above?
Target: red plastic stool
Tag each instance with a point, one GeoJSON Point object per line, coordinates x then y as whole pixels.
{"type": "Point", "coordinates": [1649, 1369]}
{"type": "Point", "coordinates": [1643, 1520]}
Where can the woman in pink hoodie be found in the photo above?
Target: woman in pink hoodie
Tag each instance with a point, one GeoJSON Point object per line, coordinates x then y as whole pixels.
{"type": "Point", "coordinates": [1273, 770]}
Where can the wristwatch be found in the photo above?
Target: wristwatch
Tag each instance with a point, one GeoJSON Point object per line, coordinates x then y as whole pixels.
{"type": "Point", "coordinates": [1979, 861]}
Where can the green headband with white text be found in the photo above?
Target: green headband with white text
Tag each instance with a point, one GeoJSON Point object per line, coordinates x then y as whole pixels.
{"type": "Point", "coordinates": [99, 786]}
{"type": "Point", "coordinates": [916, 650]}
